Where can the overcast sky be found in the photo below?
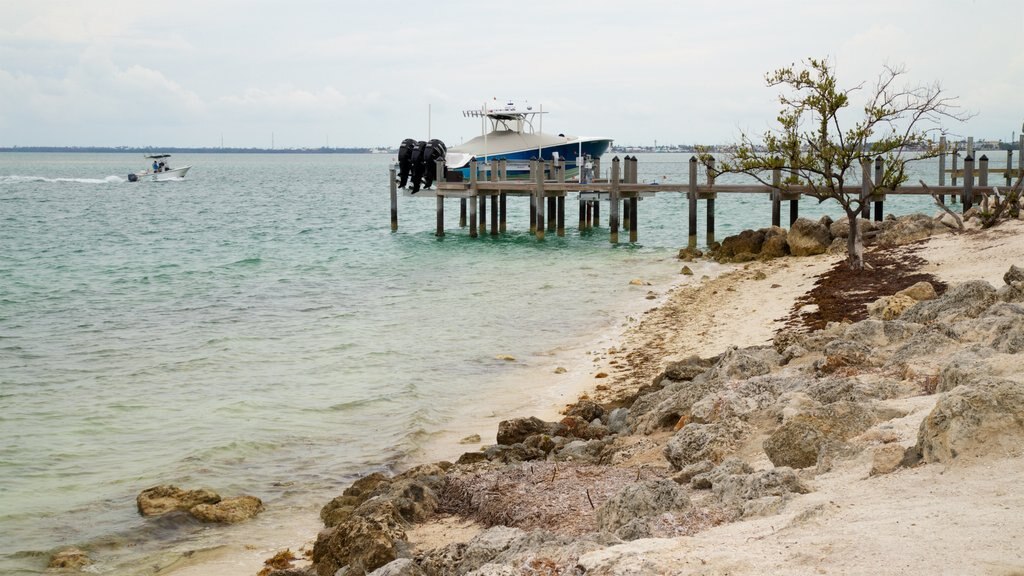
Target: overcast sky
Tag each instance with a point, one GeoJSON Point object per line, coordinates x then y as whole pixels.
{"type": "Point", "coordinates": [309, 73]}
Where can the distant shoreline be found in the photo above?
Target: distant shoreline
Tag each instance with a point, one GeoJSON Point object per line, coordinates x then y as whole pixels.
{"type": "Point", "coordinates": [186, 150]}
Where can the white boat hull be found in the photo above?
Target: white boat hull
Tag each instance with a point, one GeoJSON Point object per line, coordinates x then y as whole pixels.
{"type": "Point", "coordinates": [172, 174]}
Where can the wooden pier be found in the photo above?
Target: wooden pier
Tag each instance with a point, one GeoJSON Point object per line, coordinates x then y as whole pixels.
{"type": "Point", "coordinates": [547, 189]}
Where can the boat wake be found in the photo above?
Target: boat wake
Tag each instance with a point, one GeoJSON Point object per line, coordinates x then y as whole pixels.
{"type": "Point", "coordinates": [107, 180]}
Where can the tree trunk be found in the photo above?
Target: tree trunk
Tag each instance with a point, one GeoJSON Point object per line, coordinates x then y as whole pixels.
{"type": "Point", "coordinates": [854, 242]}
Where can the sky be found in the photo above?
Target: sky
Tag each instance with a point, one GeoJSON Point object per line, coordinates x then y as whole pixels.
{"type": "Point", "coordinates": [342, 73]}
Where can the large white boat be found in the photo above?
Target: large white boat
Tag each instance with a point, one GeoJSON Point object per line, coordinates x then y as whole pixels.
{"type": "Point", "coordinates": [507, 133]}
{"type": "Point", "coordinates": [160, 170]}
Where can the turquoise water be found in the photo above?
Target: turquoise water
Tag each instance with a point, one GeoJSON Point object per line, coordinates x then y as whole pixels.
{"type": "Point", "coordinates": [257, 328]}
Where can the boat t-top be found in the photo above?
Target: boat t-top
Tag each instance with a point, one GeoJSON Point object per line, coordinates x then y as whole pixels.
{"type": "Point", "coordinates": [160, 170]}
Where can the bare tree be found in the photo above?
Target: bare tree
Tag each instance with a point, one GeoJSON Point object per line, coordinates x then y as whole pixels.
{"type": "Point", "coordinates": [899, 125]}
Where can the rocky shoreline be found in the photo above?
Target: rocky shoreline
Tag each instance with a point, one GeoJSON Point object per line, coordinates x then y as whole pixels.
{"type": "Point", "coordinates": [800, 453]}
{"type": "Point", "coordinates": [924, 376]}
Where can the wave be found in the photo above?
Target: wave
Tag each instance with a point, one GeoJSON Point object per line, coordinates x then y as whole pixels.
{"type": "Point", "coordinates": [108, 180]}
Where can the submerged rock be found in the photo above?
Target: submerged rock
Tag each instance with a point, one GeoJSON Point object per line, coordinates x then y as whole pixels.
{"type": "Point", "coordinates": [229, 510]}
{"type": "Point", "coordinates": [167, 497]}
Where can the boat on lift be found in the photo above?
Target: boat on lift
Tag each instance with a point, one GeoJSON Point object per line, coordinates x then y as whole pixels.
{"type": "Point", "coordinates": [160, 171]}
{"type": "Point", "coordinates": [509, 134]}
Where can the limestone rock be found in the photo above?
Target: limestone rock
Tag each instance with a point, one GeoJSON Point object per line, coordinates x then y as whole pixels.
{"type": "Point", "coordinates": [886, 459]}
{"type": "Point", "coordinates": [69, 559]}
{"type": "Point", "coordinates": [587, 410]}
{"type": "Point", "coordinates": [341, 507]}
{"type": "Point", "coordinates": [362, 542]}
{"type": "Point", "coordinates": [807, 238]}
{"type": "Point", "coordinates": [986, 418]}
{"type": "Point", "coordinates": [686, 369]}
{"type": "Point", "coordinates": [625, 513]}
{"type": "Point", "coordinates": [166, 497]}
{"type": "Point", "coordinates": [966, 300]}
{"type": "Point", "coordinates": [759, 492]}
{"type": "Point", "coordinates": [696, 442]}
{"type": "Point", "coordinates": [890, 307]}
{"type": "Point", "coordinates": [517, 429]}
{"type": "Point", "coordinates": [1014, 274]}
{"type": "Point", "coordinates": [920, 291]}
{"type": "Point", "coordinates": [229, 510]}
{"type": "Point", "coordinates": [400, 567]}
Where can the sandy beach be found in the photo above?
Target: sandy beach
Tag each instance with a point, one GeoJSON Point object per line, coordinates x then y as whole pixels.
{"type": "Point", "coordinates": [937, 518]}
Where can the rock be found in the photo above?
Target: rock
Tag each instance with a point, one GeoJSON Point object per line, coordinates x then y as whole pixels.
{"type": "Point", "coordinates": [729, 467]}
{"type": "Point", "coordinates": [870, 332]}
{"type": "Point", "coordinates": [1014, 274]}
{"type": "Point", "coordinates": [229, 510]}
{"type": "Point", "coordinates": [748, 492]}
{"type": "Point", "coordinates": [971, 421]}
{"type": "Point", "coordinates": [796, 443]}
{"type": "Point", "coordinates": [471, 439]}
{"type": "Point", "coordinates": [587, 410]}
{"type": "Point", "coordinates": [686, 271]}
{"type": "Point", "coordinates": [966, 300]}
{"type": "Point", "coordinates": [696, 442]}
{"type": "Point", "coordinates": [471, 458]}
{"type": "Point", "coordinates": [886, 459]}
{"type": "Point", "coordinates": [890, 307]}
{"type": "Point", "coordinates": [775, 244]}
{"type": "Point", "coordinates": [807, 238]}
{"type": "Point", "coordinates": [341, 507]}
{"type": "Point", "coordinates": [400, 567]}
{"type": "Point", "coordinates": [688, 472]}
{"type": "Point", "coordinates": [843, 353]}
{"type": "Point", "coordinates": [618, 421]}
{"type": "Point", "coordinates": [965, 368]}
{"type": "Point", "coordinates": [802, 440]}
{"type": "Point", "coordinates": [560, 370]}
{"type": "Point", "coordinates": [69, 559]}
{"type": "Point", "coordinates": [505, 357]}
{"type": "Point", "coordinates": [746, 242]}
{"type": "Point", "coordinates": [517, 429]}
{"type": "Point", "coordinates": [165, 498]}
{"type": "Point", "coordinates": [627, 512]}
{"type": "Point", "coordinates": [363, 543]}
{"type": "Point", "coordinates": [686, 369]}
{"type": "Point", "coordinates": [920, 291]}
{"type": "Point", "coordinates": [907, 229]}
{"type": "Point", "coordinates": [925, 342]}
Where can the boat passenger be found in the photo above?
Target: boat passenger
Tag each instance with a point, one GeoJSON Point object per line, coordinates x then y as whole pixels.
{"type": "Point", "coordinates": [156, 167]}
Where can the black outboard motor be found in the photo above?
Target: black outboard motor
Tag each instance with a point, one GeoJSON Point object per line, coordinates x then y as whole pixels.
{"type": "Point", "coordinates": [436, 151]}
{"type": "Point", "coordinates": [405, 161]}
{"type": "Point", "coordinates": [132, 177]}
{"type": "Point", "coordinates": [418, 166]}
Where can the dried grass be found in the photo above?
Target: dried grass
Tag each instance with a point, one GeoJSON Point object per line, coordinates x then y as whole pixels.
{"type": "Point", "coordinates": [560, 497]}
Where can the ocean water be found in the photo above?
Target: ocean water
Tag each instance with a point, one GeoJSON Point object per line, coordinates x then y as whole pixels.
{"type": "Point", "coordinates": [258, 328]}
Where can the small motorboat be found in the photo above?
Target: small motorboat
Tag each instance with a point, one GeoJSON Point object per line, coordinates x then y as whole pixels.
{"type": "Point", "coordinates": [160, 170]}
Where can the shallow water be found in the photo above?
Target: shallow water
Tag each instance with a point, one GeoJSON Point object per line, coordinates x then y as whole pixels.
{"type": "Point", "coordinates": [257, 328]}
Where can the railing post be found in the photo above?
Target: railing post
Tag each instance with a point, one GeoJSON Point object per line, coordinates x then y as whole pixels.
{"type": "Point", "coordinates": [711, 202]}
{"type": "Point", "coordinates": [613, 201]}
{"type": "Point", "coordinates": [1008, 174]}
{"type": "Point", "coordinates": [533, 197]}
{"type": "Point", "coordinates": [968, 197]}
{"type": "Point", "coordinates": [472, 197]}
{"type": "Point", "coordinates": [394, 199]}
{"type": "Point", "coordinates": [942, 167]}
{"type": "Point", "coordinates": [539, 192]}
{"type": "Point", "coordinates": [777, 197]}
{"type": "Point", "coordinates": [865, 187]}
{"type": "Point", "coordinates": [692, 200]}
{"type": "Point", "coordinates": [879, 164]}
{"type": "Point", "coordinates": [983, 178]}
{"type": "Point", "coordinates": [560, 200]}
